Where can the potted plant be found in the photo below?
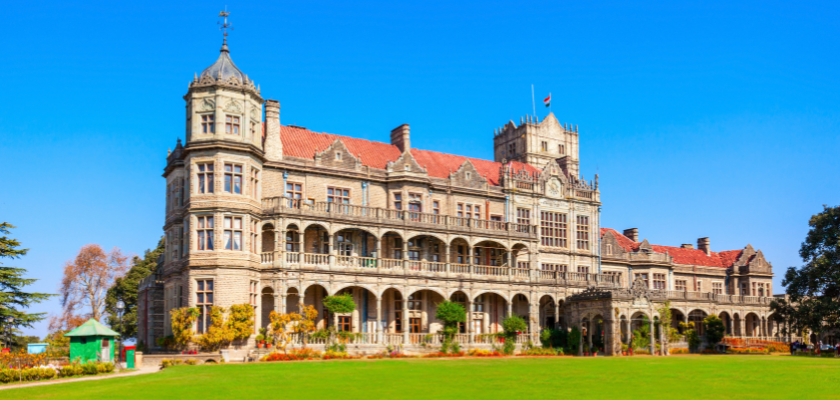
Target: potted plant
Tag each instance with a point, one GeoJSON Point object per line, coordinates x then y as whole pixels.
{"type": "Point", "coordinates": [260, 341]}
{"type": "Point", "coordinates": [594, 351]}
{"type": "Point", "coordinates": [624, 349]}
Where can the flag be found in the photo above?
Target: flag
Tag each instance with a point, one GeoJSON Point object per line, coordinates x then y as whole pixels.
{"type": "Point", "coordinates": [547, 100]}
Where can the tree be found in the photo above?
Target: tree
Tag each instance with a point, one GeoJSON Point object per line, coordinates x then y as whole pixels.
{"type": "Point", "coordinates": [340, 304]}
{"type": "Point", "coordinates": [280, 324]}
{"type": "Point", "coordinates": [451, 314]}
{"type": "Point", "coordinates": [13, 299]}
{"type": "Point", "coordinates": [691, 335]}
{"type": "Point", "coordinates": [125, 290]}
{"type": "Point", "coordinates": [512, 325]}
{"type": "Point", "coordinates": [814, 288]}
{"type": "Point", "coordinates": [86, 281]}
{"type": "Point", "coordinates": [715, 329]}
{"type": "Point", "coordinates": [785, 314]}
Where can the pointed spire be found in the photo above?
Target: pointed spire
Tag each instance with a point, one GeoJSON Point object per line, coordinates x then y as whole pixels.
{"type": "Point", "coordinates": [195, 78]}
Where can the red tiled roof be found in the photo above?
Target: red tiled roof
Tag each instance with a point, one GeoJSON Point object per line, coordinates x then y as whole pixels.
{"type": "Point", "coordinates": [723, 259]}
{"type": "Point", "coordinates": [303, 143]}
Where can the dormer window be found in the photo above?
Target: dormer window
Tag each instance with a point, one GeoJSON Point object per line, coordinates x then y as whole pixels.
{"type": "Point", "coordinates": [207, 123]}
{"type": "Point", "coordinates": [232, 125]}
{"type": "Point", "coordinates": [338, 156]}
{"type": "Point", "coordinates": [468, 175]}
{"type": "Point", "coordinates": [407, 168]}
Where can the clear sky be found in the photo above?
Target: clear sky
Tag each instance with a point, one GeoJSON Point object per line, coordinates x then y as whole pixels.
{"type": "Point", "coordinates": [703, 118]}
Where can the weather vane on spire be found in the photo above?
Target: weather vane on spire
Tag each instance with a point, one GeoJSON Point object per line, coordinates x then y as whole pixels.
{"type": "Point", "coordinates": [225, 26]}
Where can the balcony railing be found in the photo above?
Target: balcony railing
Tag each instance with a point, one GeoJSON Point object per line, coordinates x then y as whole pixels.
{"type": "Point", "coordinates": [283, 205]}
{"type": "Point", "coordinates": [718, 298]}
{"type": "Point", "coordinates": [431, 268]}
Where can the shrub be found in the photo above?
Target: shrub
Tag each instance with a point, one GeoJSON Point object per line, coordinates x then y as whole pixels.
{"type": "Point", "coordinates": [334, 355]}
{"type": "Point", "coordinates": [182, 320]}
{"type": "Point", "coordinates": [191, 361]}
{"type": "Point", "coordinates": [541, 351]}
{"type": "Point", "coordinates": [241, 321]}
{"type": "Point", "coordinates": [294, 355]}
{"type": "Point", "coordinates": [715, 329]}
{"type": "Point", "coordinates": [217, 333]}
{"type": "Point", "coordinates": [573, 340]}
{"type": "Point", "coordinates": [90, 368]}
{"type": "Point", "coordinates": [340, 304]}
{"type": "Point", "coordinates": [442, 354]}
{"type": "Point", "coordinates": [678, 351]}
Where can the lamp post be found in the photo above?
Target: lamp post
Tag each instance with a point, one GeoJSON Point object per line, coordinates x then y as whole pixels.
{"type": "Point", "coordinates": [120, 308]}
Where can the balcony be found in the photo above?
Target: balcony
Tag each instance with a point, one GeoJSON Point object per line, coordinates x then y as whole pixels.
{"type": "Point", "coordinates": [397, 218]}
{"type": "Point", "coordinates": [326, 262]}
{"type": "Point", "coordinates": [718, 298]}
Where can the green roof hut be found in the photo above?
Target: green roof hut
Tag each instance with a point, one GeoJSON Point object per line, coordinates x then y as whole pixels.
{"type": "Point", "coordinates": [92, 341]}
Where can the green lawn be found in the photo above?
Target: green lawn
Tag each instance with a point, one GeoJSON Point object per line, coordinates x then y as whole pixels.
{"type": "Point", "coordinates": [697, 377]}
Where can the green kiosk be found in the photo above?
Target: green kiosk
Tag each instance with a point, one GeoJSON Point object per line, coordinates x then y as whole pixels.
{"type": "Point", "coordinates": [92, 341]}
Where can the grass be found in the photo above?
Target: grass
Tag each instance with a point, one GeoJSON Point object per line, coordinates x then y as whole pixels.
{"type": "Point", "coordinates": [698, 377]}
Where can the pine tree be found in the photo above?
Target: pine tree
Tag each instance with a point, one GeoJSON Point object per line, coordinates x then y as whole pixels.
{"type": "Point", "coordinates": [13, 300]}
{"type": "Point", "coordinates": [125, 290]}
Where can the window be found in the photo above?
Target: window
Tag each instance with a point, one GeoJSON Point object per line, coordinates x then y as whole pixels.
{"type": "Point", "coordinates": [659, 281]}
{"type": "Point", "coordinates": [717, 287]}
{"type": "Point", "coordinates": [292, 241]}
{"type": "Point", "coordinates": [233, 178]}
{"type": "Point", "coordinates": [344, 323]}
{"type": "Point", "coordinates": [205, 233]}
{"type": "Point", "coordinates": [460, 251]}
{"type": "Point", "coordinates": [255, 183]}
{"type": "Point", "coordinates": [398, 244]}
{"type": "Point", "coordinates": [398, 201]}
{"type": "Point", "coordinates": [414, 324]}
{"type": "Point", "coordinates": [583, 232]}
{"type": "Point", "coordinates": [745, 291]}
{"type": "Point", "coordinates": [554, 267]}
{"type": "Point", "coordinates": [699, 286]}
{"type": "Point", "coordinates": [232, 125]}
{"type": "Point", "coordinates": [207, 123]}
{"type": "Point", "coordinates": [543, 146]}
{"type": "Point", "coordinates": [511, 149]}
{"type": "Point", "coordinates": [338, 195]}
{"type": "Point", "coordinates": [415, 202]}
{"type": "Point", "coordinates": [338, 156]}
{"type": "Point", "coordinates": [680, 285]}
{"type": "Point", "coordinates": [478, 304]}
{"type": "Point", "coordinates": [561, 149]}
{"type": "Point", "coordinates": [436, 207]}
{"type": "Point", "coordinates": [204, 301]}
{"type": "Point", "coordinates": [252, 296]}
{"type": "Point", "coordinates": [294, 190]}
{"type": "Point", "coordinates": [497, 218]}
{"type": "Point", "coordinates": [255, 226]}
{"type": "Point", "coordinates": [253, 129]}
{"type": "Point", "coordinates": [582, 269]}
{"type": "Point", "coordinates": [466, 210]}
{"type": "Point", "coordinates": [415, 301]}
{"type": "Point", "coordinates": [615, 274]}
{"type": "Point", "coordinates": [233, 233]}
{"type": "Point", "coordinates": [553, 229]}
{"type": "Point", "coordinates": [523, 216]}
{"type": "Point", "coordinates": [646, 278]}
{"type": "Point", "coordinates": [754, 289]}
{"type": "Point", "coordinates": [468, 175]}
{"type": "Point", "coordinates": [205, 178]}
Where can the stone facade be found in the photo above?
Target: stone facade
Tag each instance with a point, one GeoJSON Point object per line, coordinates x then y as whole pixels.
{"type": "Point", "coordinates": [280, 216]}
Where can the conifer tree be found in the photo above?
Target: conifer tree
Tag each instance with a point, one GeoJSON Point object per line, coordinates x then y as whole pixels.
{"type": "Point", "coordinates": [13, 299]}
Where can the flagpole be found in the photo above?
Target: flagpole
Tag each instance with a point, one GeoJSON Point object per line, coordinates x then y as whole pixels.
{"type": "Point", "coordinates": [533, 103]}
{"type": "Point", "coordinates": [549, 103]}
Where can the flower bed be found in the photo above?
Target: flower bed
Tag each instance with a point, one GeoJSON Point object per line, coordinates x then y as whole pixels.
{"type": "Point", "coordinates": [484, 353]}
{"type": "Point", "coordinates": [443, 355]}
{"type": "Point", "coordinates": [294, 355]}
{"type": "Point", "coordinates": [337, 355]}
{"type": "Point", "coordinates": [749, 350]}
{"type": "Point", "coordinates": [678, 351]}
{"type": "Point", "coordinates": [541, 351]}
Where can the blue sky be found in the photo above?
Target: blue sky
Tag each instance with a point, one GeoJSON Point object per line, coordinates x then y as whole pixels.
{"type": "Point", "coordinates": [702, 118]}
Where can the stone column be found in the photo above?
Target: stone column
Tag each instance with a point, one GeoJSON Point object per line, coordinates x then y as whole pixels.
{"type": "Point", "coordinates": [406, 328]}
{"type": "Point", "coordinates": [469, 259]}
{"type": "Point", "coordinates": [510, 307]}
{"type": "Point", "coordinates": [609, 337]}
{"type": "Point", "coordinates": [280, 249]}
{"type": "Point", "coordinates": [743, 327]}
{"type": "Point", "coordinates": [378, 250]}
{"type": "Point", "coordinates": [663, 340]}
{"type": "Point", "coordinates": [468, 322]}
{"type": "Point", "coordinates": [589, 329]}
{"type": "Point", "coordinates": [378, 320]}
{"type": "Point", "coordinates": [580, 343]}
{"type": "Point", "coordinates": [557, 314]}
{"type": "Point", "coordinates": [652, 336]}
{"type": "Point", "coordinates": [446, 257]}
{"type": "Point", "coordinates": [331, 250]}
{"type": "Point", "coordinates": [510, 263]}
{"type": "Point", "coordinates": [283, 303]}
{"type": "Point", "coordinates": [405, 251]}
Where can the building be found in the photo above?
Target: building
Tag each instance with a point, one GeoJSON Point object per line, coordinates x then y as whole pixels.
{"type": "Point", "coordinates": [279, 216]}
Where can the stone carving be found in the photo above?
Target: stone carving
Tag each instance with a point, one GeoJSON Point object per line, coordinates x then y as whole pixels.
{"type": "Point", "coordinates": [554, 188]}
{"type": "Point", "coordinates": [208, 105]}
{"type": "Point", "coordinates": [255, 116]}
{"type": "Point", "coordinates": [233, 107]}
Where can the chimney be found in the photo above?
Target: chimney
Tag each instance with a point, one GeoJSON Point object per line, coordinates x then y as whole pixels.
{"type": "Point", "coordinates": [273, 146]}
{"type": "Point", "coordinates": [703, 244]}
{"type": "Point", "coordinates": [401, 137]}
{"type": "Point", "coordinates": [632, 234]}
{"type": "Point", "coordinates": [687, 246]}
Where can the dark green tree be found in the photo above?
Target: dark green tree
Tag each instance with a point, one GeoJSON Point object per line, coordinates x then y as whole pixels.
{"type": "Point", "coordinates": [13, 299]}
{"type": "Point", "coordinates": [814, 288]}
{"type": "Point", "coordinates": [125, 290]}
{"type": "Point", "coordinates": [715, 329]}
{"type": "Point", "coordinates": [340, 304]}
